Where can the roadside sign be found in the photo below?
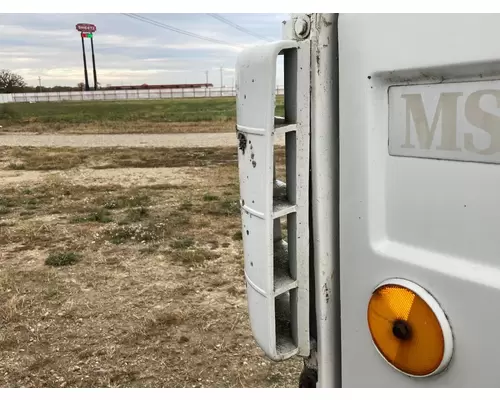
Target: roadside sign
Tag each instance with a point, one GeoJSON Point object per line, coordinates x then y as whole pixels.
{"type": "Point", "coordinates": [86, 27]}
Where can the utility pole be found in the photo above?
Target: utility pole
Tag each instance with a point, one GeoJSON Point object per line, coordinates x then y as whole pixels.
{"type": "Point", "coordinates": [85, 65]}
{"type": "Point", "coordinates": [93, 61]}
{"type": "Point", "coordinates": [221, 79]}
{"type": "Point", "coordinates": [40, 83]}
{"type": "Point", "coordinates": [206, 81]}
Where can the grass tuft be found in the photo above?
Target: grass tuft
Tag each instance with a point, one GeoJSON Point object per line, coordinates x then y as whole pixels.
{"type": "Point", "coordinates": [62, 259]}
{"type": "Point", "coordinates": [103, 216]}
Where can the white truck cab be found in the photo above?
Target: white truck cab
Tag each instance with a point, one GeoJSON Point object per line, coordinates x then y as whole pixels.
{"type": "Point", "coordinates": [389, 272]}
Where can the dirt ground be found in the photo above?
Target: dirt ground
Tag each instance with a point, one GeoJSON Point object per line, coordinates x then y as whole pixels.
{"type": "Point", "coordinates": [124, 268]}
{"type": "Point", "coordinates": [121, 140]}
{"type": "Point", "coordinates": [117, 127]}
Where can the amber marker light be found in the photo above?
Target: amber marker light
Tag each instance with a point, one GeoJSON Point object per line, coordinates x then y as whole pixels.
{"type": "Point", "coordinates": [409, 328]}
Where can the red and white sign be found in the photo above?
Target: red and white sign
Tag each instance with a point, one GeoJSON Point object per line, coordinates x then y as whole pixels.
{"type": "Point", "coordinates": [86, 27]}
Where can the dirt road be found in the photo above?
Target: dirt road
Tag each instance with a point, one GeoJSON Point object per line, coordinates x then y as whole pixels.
{"type": "Point", "coordinates": [122, 140]}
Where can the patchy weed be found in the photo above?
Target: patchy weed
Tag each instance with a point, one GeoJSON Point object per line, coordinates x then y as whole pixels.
{"type": "Point", "coordinates": [102, 215]}
{"type": "Point", "coordinates": [182, 243]}
{"type": "Point", "coordinates": [210, 197]}
{"type": "Point", "coordinates": [62, 259]}
{"type": "Point", "coordinates": [193, 256]}
{"type": "Point", "coordinates": [237, 235]}
{"type": "Point", "coordinates": [224, 208]}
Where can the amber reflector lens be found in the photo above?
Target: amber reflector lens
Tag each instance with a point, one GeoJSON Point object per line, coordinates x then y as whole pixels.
{"type": "Point", "coordinates": [405, 330]}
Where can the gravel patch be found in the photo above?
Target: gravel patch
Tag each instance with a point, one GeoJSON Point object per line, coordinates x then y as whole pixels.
{"type": "Point", "coordinates": [122, 140]}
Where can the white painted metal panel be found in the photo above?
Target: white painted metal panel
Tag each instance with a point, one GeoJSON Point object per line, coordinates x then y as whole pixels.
{"type": "Point", "coordinates": [324, 193]}
{"type": "Point", "coordinates": [418, 213]}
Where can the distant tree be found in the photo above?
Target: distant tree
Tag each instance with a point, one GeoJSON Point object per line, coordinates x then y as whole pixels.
{"type": "Point", "coordinates": [11, 82]}
{"type": "Point", "coordinates": [58, 88]}
{"type": "Point", "coordinates": [28, 89]}
{"type": "Point", "coordinates": [81, 85]}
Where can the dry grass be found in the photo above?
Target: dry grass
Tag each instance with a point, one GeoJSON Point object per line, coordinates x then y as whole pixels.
{"type": "Point", "coordinates": [115, 127]}
{"type": "Point", "coordinates": [126, 285]}
{"type": "Point", "coordinates": [46, 158]}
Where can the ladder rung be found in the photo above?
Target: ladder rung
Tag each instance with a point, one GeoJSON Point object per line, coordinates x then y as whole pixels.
{"type": "Point", "coordinates": [285, 345]}
{"type": "Point", "coordinates": [283, 281]}
{"type": "Point", "coordinates": [281, 126]}
{"type": "Point", "coordinates": [277, 272]}
{"type": "Point", "coordinates": [279, 188]}
{"type": "Point", "coordinates": [282, 207]}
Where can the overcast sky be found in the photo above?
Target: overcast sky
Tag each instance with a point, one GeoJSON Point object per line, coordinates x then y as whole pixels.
{"type": "Point", "coordinates": [128, 51]}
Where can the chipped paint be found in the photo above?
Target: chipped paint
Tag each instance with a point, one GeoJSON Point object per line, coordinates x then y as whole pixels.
{"type": "Point", "coordinates": [242, 142]}
{"type": "Point", "coordinates": [326, 293]}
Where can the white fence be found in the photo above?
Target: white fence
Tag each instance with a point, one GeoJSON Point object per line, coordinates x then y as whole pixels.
{"type": "Point", "coordinates": [110, 95]}
{"type": "Point", "coordinates": [6, 98]}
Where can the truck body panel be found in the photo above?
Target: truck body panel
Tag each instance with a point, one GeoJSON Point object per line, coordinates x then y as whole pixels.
{"type": "Point", "coordinates": [419, 183]}
{"type": "Point", "coordinates": [396, 118]}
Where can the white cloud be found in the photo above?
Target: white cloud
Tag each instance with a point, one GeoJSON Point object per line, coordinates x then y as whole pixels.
{"type": "Point", "coordinates": [128, 51]}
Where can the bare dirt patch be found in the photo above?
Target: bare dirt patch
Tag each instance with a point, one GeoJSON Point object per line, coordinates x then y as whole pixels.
{"type": "Point", "coordinates": [186, 140]}
{"type": "Point", "coordinates": [119, 127]}
{"type": "Point", "coordinates": [131, 279]}
{"type": "Point", "coordinates": [65, 158]}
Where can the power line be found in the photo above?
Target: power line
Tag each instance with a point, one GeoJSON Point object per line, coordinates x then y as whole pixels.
{"type": "Point", "coordinates": [236, 26]}
{"type": "Point", "coordinates": [173, 29]}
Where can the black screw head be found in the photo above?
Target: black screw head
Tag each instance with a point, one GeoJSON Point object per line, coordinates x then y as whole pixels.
{"type": "Point", "coordinates": [401, 329]}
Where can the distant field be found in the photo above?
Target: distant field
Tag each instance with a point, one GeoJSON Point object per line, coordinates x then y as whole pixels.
{"type": "Point", "coordinates": [134, 116]}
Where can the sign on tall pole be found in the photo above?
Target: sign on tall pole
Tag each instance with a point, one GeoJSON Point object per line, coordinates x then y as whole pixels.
{"type": "Point", "coordinates": [85, 66]}
{"type": "Point", "coordinates": [87, 28]}
{"type": "Point", "coordinates": [93, 61]}
{"type": "Point", "coordinates": [87, 31]}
